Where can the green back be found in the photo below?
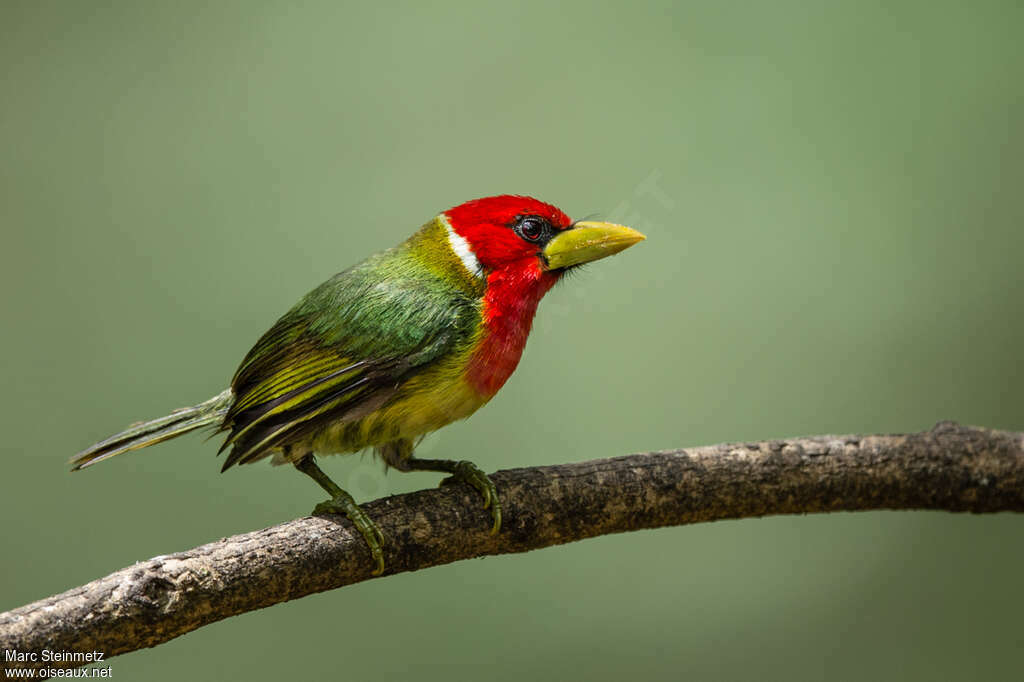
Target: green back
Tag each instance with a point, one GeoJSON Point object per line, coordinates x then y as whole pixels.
{"type": "Point", "coordinates": [352, 341]}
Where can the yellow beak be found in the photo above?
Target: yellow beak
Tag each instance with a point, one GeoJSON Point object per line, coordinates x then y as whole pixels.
{"type": "Point", "coordinates": [587, 241]}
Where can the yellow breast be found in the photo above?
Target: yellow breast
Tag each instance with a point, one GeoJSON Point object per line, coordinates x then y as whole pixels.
{"type": "Point", "coordinates": [425, 403]}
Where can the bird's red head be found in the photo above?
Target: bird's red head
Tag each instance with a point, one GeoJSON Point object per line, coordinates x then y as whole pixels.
{"type": "Point", "coordinates": [521, 246]}
{"type": "Point", "coordinates": [507, 230]}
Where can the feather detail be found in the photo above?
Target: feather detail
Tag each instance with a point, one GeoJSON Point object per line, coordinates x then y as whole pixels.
{"type": "Point", "coordinates": [508, 309]}
{"type": "Point", "coordinates": [350, 351]}
{"type": "Point", "coordinates": [461, 248]}
{"type": "Point", "coordinates": [143, 434]}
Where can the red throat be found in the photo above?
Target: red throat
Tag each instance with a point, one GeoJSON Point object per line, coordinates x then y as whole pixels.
{"type": "Point", "coordinates": [509, 305]}
{"type": "Point", "coordinates": [516, 281]}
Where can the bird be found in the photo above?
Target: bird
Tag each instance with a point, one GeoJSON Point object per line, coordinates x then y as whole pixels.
{"type": "Point", "coordinates": [394, 347]}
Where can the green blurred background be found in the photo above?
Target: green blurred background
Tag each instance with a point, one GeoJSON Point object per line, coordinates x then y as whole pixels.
{"type": "Point", "coordinates": [832, 195]}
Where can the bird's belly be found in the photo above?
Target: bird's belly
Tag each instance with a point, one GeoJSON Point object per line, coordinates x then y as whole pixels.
{"type": "Point", "coordinates": [425, 403]}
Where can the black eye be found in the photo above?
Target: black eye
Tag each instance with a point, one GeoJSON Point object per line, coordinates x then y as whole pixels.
{"type": "Point", "coordinates": [531, 228]}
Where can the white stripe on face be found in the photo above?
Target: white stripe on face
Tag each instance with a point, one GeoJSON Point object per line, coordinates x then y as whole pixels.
{"type": "Point", "coordinates": [462, 249]}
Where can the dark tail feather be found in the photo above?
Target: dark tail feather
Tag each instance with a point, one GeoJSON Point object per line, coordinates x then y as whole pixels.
{"type": "Point", "coordinates": [155, 431]}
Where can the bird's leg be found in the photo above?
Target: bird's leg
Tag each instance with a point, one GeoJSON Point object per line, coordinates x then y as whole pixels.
{"type": "Point", "coordinates": [470, 473]}
{"type": "Point", "coordinates": [342, 503]}
{"type": "Point", "coordinates": [398, 454]}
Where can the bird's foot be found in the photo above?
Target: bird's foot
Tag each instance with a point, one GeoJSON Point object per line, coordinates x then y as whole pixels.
{"type": "Point", "coordinates": [344, 504]}
{"type": "Point", "coordinates": [474, 476]}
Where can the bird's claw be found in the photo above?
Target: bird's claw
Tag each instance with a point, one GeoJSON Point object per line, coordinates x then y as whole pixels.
{"type": "Point", "coordinates": [364, 524]}
{"type": "Point", "coordinates": [474, 476]}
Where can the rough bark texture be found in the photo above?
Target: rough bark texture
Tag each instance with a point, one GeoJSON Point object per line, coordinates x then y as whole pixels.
{"type": "Point", "coordinates": [951, 467]}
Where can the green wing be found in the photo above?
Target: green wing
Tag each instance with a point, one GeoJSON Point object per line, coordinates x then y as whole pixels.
{"type": "Point", "coordinates": [351, 342]}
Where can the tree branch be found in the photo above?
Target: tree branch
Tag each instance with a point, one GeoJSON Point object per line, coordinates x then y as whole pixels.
{"type": "Point", "coordinates": [951, 467]}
